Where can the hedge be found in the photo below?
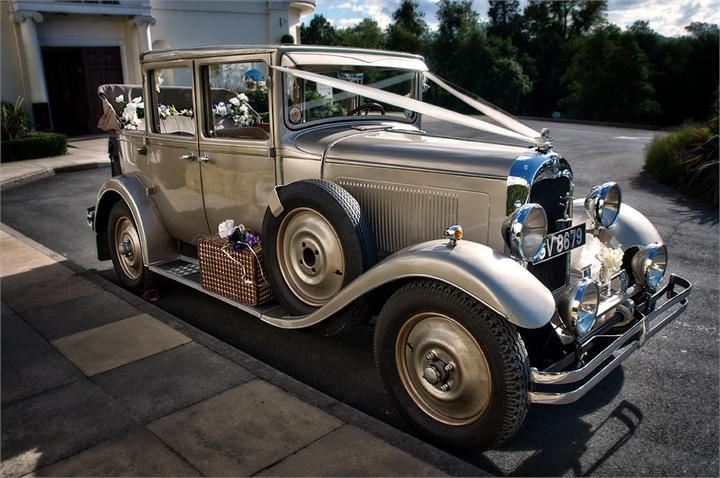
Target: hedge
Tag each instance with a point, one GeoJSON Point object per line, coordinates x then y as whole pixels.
{"type": "Point", "coordinates": [687, 160]}
{"type": "Point", "coordinates": [34, 145]}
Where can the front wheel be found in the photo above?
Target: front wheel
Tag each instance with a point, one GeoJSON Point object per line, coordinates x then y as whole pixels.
{"type": "Point", "coordinates": [454, 369]}
{"type": "Point", "coordinates": [126, 248]}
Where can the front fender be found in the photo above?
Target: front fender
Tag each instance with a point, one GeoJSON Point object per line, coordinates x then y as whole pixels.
{"type": "Point", "coordinates": [488, 276]}
{"type": "Point", "coordinates": [631, 228]}
{"type": "Point", "coordinates": [157, 244]}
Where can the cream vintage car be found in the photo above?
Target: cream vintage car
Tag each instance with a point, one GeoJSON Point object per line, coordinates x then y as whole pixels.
{"type": "Point", "coordinates": [494, 283]}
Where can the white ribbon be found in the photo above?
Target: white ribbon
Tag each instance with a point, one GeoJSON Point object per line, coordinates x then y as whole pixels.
{"type": "Point", "coordinates": [499, 116]}
{"type": "Point", "coordinates": [411, 104]}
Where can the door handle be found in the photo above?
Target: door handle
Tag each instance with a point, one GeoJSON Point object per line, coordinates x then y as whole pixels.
{"type": "Point", "coordinates": [204, 158]}
{"type": "Point", "coordinates": [188, 157]}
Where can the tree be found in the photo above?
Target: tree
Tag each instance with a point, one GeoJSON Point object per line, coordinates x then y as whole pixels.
{"type": "Point", "coordinates": [457, 21]}
{"type": "Point", "coordinates": [319, 32]}
{"type": "Point", "coordinates": [504, 17]}
{"type": "Point", "coordinates": [366, 34]}
{"type": "Point", "coordinates": [408, 30]}
{"type": "Point", "coordinates": [608, 79]}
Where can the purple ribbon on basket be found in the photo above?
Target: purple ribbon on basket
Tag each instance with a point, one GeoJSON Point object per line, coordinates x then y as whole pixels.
{"type": "Point", "coordinates": [248, 239]}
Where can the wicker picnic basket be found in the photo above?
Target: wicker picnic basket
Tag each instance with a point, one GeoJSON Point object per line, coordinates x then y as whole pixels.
{"type": "Point", "coordinates": [237, 275]}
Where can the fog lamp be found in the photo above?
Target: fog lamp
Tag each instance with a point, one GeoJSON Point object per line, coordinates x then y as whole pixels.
{"type": "Point", "coordinates": [603, 204]}
{"type": "Point", "coordinates": [579, 307]}
{"type": "Point", "coordinates": [649, 265]}
{"type": "Point", "coordinates": [525, 230]}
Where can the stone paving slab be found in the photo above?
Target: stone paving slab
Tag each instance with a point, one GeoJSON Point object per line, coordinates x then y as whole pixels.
{"type": "Point", "coordinates": [165, 383]}
{"type": "Point", "coordinates": [350, 451]}
{"type": "Point", "coordinates": [43, 294]}
{"type": "Point", "coordinates": [103, 348]}
{"type": "Point", "coordinates": [32, 370]}
{"type": "Point", "coordinates": [59, 423]}
{"type": "Point", "coordinates": [77, 315]}
{"type": "Point", "coordinates": [244, 429]}
{"type": "Point", "coordinates": [137, 453]}
{"type": "Point", "coordinates": [16, 333]}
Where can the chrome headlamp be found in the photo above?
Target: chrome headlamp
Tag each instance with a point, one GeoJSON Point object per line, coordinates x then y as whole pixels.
{"type": "Point", "coordinates": [579, 307]}
{"type": "Point", "coordinates": [649, 265]}
{"type": "Point", "coordinates": [524, 231]}
{"type": "Point", "coordinates": [603, 204]}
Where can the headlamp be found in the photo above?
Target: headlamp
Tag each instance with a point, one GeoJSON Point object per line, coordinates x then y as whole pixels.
{"type": "Point", "coordinates": [603, 204]}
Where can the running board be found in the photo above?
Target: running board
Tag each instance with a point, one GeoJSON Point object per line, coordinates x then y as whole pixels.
{"type": "Point", "coordinates": [186, 271]}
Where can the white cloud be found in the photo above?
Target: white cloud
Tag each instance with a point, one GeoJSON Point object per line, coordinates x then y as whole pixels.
{"type": "Point", "coordinates": [667, 17]}
{"type": "Point", "coordinates": [349, 22]}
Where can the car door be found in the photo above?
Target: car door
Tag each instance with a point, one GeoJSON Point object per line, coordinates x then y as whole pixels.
{"type": "Point", "coordinates": [172, 149]}
{"type": "Point", "coordinates": [236, 140]}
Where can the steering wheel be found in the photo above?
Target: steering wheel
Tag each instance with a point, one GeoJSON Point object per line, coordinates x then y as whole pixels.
{"type": "Point", "coordinates": [367, 107]}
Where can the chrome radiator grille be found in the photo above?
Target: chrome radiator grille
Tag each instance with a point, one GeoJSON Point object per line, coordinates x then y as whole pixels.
{"type": "Point", "coordinates": [551, 195]}
{"type": "Point", "coordinates": [402, 215]}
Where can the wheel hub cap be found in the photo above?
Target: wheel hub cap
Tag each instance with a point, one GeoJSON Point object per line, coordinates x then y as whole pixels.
{"type": "Point", "coordinates": [127, 241]}
{"type": "Point", "coordinates": [443, 368]}
{"type": "Point", "coordinates": [310, 256]}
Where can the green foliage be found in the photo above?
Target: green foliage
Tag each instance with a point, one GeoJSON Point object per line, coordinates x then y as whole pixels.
{"type": "Point", "coordinates": [504, 17]}
{"type": "Point", "coordinates": [318, 32]}
{"type": "Point", "coordinates": [596, 89]}
{"type": "Point", "coordinates": [34, 145]}
{"type": "Point", "coordinates": [688, 160]}
{"type": "Point", "coordinates": [366, 34]}
{"type": "Point", "coordinates": [14, 120]}
{"type": "Point", "coordinates": [287, 38]}
{"type": "Point", "coordinates": [408, 30]}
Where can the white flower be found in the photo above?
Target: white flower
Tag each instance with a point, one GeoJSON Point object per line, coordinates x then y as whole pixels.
{"type": "Point", "coordinates": [234, 101]}
{"type": "Point", "coordinates": [243, 97]}
{"type": "Point", "coordinates": [261, 84]}
{"type": "Point", "coordinates": [226, 228]}
{"type": "Point", "coordinates": [120, 99]}
{"type": "Point", "coordinates": [136, 100]}
{"type": "Point", "coordinates": [221, 110]}
{"type": "Point", "coordinates": [243, 108]}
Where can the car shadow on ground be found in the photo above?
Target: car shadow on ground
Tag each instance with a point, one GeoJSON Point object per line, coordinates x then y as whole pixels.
{"type": "Point", "coordinates": [684, 208]}
{"type": "Point", "coordinates": [557, 440]}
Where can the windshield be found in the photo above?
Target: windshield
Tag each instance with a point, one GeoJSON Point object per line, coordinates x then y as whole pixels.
{"type": "Point", "coordinates": [308, 101]}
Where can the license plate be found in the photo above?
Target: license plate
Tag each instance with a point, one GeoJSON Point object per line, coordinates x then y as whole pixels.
{"type": "Point", "coordinates": [562, 242]}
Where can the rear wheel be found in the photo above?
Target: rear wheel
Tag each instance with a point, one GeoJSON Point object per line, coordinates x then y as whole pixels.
{"type": "Point", "coordinates": [126, 248]}
{"type": "Point", "coordinates": [455, 370]}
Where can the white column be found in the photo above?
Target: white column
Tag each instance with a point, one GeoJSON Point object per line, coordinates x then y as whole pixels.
{"type": "Point", "coordinates": [143, 23]}
{"type": "Point", "coordinates": [33, 57]}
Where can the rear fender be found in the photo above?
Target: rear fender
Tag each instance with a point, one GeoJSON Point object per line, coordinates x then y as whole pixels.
{"type": "Point", "coordinates": [493, 279]}
{"type": "Point", "coordinates": [157, 244]}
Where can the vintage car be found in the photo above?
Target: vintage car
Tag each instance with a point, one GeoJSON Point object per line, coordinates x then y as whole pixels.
{"type": "Point", "coordinates": [494, 284]}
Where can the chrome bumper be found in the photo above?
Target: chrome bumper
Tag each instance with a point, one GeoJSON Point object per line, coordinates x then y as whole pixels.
{"type": "Point", "coordinates": [648, 324]}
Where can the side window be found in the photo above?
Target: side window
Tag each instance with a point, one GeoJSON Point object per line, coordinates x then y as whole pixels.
{"type": "Point", "coordinates": [236, 101]}
{"type": "Point", "coordinates": [172, 101]}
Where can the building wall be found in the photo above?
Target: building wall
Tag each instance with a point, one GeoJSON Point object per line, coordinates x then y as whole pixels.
{"type": "Point", "coordinates": [12, 68]}
{"type": "Point", "coordinates": [94, 30]}
{"type": "Point", "coordinates": [172, 24]}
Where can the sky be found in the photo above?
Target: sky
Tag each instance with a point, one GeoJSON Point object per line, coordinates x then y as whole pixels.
{"type": "Point", "coordinates": [667, 17]}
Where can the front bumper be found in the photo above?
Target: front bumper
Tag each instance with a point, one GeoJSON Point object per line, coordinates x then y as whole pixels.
{"type": "Point", "coordinates": [622, 345]}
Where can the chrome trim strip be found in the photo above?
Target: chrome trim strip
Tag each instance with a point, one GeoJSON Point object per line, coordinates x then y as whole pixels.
{"type": "Point", "coordinates": [644, 326]}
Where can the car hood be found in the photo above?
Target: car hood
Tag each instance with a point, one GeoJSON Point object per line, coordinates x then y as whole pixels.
{"type": "Point", "coordinates": [410, 148]}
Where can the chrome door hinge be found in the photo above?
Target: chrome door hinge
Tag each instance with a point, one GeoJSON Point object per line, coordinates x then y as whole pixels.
{"type": "Point", "coordinates": [272, 152]}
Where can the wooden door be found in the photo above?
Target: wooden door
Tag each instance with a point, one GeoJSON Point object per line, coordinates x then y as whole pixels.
{"type": "Point", "coordinates": [73, 76]}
